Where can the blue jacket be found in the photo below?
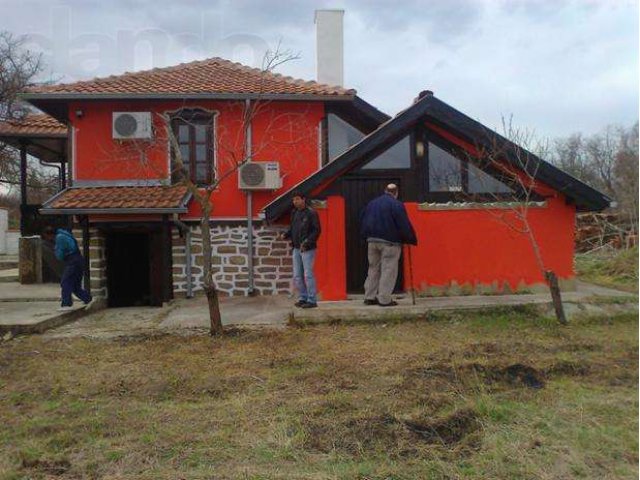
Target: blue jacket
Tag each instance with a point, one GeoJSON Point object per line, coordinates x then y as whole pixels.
{"type": "Point", "coordinates": [65, 244]}
{"type": "Point", "coordinates": [386, 218]}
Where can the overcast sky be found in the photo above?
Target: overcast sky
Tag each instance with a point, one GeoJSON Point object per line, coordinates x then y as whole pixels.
{"type": "Point", "coordinates": [556, 66]}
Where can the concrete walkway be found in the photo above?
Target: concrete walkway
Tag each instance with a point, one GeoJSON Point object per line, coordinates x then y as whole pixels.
{"type": "Point", "coordinates": [33, 308]}
{"type": "Point", "coordinates": [190, 317]}
{"type": "Point", "coordinates": [42, 292]}
{"type": "Point", "coordinates": [182, 317]}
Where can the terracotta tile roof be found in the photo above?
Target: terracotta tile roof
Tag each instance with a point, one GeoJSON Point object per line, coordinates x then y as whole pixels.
{"type": "Point", "coordinates": [33, 124]}
{"type": "Point", "coordinates": [99, 198]}
{"type": "Point", "coordinates": [210, 76]}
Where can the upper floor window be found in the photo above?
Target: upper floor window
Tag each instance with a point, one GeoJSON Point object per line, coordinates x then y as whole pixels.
{"type": "Point", "coordinates": [194, 131]}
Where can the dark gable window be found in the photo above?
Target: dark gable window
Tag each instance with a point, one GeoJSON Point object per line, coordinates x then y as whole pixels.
{"type": "Point", "coordinates": [445, 171]}
{"type": "Point", "coordinates": [448, 173]}
{"type": "Point", "coordinates": [341, 136]}
{"type": "Point", "coordinates": [398, 156]}
{"type": "Point", "coordinates": [193, 130]}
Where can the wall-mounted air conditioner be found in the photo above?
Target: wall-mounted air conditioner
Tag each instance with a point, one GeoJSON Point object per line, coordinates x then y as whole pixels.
{"type": "Point", "coordinates": [259, 176]}
{"type": "Point", "coordinates": [132, 125]}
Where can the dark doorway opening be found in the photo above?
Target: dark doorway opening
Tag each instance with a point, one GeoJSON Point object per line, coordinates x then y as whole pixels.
{"type": "Point", "coordinates": [357, 193]}
{"type": "Point", "coordinates": [128, 269]}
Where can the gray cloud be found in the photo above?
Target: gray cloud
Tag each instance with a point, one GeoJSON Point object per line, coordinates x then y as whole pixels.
{"type": "Point", "coordinates": [557, 66]}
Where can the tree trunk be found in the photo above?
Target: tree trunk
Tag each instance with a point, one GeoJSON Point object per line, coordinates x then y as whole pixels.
{"type": "Point", "coordinates": [552, 280]}
{"type": "Point", "coordinates": [210, 290]}
{"type": "Point", "coordinates": [215, 319]}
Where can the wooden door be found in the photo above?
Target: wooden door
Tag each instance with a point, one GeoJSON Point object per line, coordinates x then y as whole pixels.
{"type": "Point", "coordinates": [357, 193]}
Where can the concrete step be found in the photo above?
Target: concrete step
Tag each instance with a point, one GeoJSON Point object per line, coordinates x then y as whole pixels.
{"type": "Point", "coordinates": [10, 275]}
{"type": "Point", "coordinates": [35, 317]}
{"type": "Point", "coordinates": [8, 262]}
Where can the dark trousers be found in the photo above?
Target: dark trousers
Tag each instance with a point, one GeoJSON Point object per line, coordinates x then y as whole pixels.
{"type": "Point", "coordinates": [72, 280]}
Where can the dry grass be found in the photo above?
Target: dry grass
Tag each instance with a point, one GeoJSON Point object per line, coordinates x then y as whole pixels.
{"type": "Point", "coordinates": [477, 396]}
{"type": "Point", "coordinates": [615, 269]}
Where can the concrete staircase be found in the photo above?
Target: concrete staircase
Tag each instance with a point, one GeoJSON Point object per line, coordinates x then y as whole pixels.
{"type": "Point", "coordinates": [8, 268]}
{"type": "Point", "coordinates": [8, 262]}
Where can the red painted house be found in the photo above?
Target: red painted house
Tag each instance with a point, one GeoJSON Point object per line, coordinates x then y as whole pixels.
{"type": "Point", "coordinates": [140, 228]}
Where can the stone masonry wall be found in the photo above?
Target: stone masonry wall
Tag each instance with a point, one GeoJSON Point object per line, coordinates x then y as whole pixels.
{"type": "Point", "coordinates": [273, 271]}
{"type": "Point", "coordinates": [97, 261]}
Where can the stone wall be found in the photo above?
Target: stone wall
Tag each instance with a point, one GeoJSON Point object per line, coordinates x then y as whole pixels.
{"type": "Point", "coordinates": [97, 261]}
{"type": "Point", "coordinates": [273, 270]}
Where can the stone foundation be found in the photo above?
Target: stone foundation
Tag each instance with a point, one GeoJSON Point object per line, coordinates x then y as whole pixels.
{"type": "Point", "coordinates": [273, 270]}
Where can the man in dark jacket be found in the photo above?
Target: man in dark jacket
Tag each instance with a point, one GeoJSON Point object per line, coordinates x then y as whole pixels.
{"type": "Point", "coordinates": [386, 226]}
{"type": "Point", "coordinates": [303, 233]}
{"type": "Point", "coordinates": [66, 250]}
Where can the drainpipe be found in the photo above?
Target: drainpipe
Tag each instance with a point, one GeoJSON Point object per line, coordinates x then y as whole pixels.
{"type": "Point", "coordinates": [248, 153]}
{"type": "Point", "coordinates": [60, 170]}
{"type": "Point", "coordinates": [187, 252]}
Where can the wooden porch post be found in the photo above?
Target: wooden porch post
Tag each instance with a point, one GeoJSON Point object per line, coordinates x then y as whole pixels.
{"type": "Point", "coordinates": [23, 186]}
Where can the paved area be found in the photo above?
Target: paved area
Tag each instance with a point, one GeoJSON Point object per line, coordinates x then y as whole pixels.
{"type": "Point", "coordinates": [32, 309]}
{"type": "Point", "coordinates": [14, 292]}
{"type": "Point", "coordinates": [9, 275]}
{"type": "Point", "coordinates": [182, 317]}
{"type": "Point", "coordinates": [188, 317]}
{"type": "Point", "coordinates": [34, 317]}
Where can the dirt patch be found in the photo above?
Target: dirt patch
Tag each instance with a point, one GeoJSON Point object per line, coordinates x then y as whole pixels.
{"type": "Point", "coordinates": [522, 374]}
{"type": "Point", "coordinates": [516, 374]}
{"type": "Point", "coordinates": [568, 368]}
{"type": "Point", "coordinates": [446, 431]}
{"type": "Point", "coordinates": [49, 467]}
{"type": "Point", "coordinates": [396, 437]}
{"type": "Point", "coordinates": [353, 436]}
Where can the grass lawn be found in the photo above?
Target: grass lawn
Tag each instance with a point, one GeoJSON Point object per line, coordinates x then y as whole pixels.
{"type": "Point", "coordinates": [496, 395]}
{"type": "Point", "coordinates": [616, 269]}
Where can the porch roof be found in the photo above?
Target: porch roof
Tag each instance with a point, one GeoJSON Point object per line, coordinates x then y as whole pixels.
{"type": "Point", "coordinates": [429, 108]}
{"type": "Point", "coordinates": [118, 200]}
{"type": "Point", "coordinates": [43, 136]}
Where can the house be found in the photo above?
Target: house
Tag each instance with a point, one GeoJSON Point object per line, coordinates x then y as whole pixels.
{"type": "Point", "coordinates": [140, 228]}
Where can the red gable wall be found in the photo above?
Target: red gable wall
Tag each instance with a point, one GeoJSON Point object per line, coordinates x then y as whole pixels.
{"type": "Point", "coordinates": [286, 132]}
{"type": "Point", "coordinates": [471, 247]}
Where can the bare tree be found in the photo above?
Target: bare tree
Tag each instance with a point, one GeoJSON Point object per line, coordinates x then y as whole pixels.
{"type": "Point", "coordinates": [625, 172]}
{"type": "Point", "coordinates": [516, 168]}
{"type": "Point", "coordinates": [608, 161]}
{"type": "Point", "coordinates": [18, 69]}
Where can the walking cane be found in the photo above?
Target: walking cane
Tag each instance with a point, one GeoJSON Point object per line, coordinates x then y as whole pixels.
{"type": "Point", "coordinates": [413, 291]}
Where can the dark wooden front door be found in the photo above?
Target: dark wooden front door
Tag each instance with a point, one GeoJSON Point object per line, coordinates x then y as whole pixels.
{"type": "Point", "coordinates": [128, 266]}
{"type": "Point", "coordinates": [139, 270]}
{"type": "Point", "coordinates": [357, 193]}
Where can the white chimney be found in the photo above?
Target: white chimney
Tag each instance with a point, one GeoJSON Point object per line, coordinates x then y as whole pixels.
{"type": "Point", "coordinates": [329, 47]}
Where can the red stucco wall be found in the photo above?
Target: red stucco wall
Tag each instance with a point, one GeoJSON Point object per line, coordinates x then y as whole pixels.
{"type": "Point", "coordinates": [331, 258]}
{"type": "Point", "coordinates": [481, 247]}
{"type": "Point", "coordinates": [286, 132]}
{"type": "Point", "coordinates": [468, 247]}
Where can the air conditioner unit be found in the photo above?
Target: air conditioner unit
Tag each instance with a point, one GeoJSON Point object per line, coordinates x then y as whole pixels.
{"type": "Point", "coordinates": [132, 125]}
{"type": "Point", "coordinates": [259, 176]}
